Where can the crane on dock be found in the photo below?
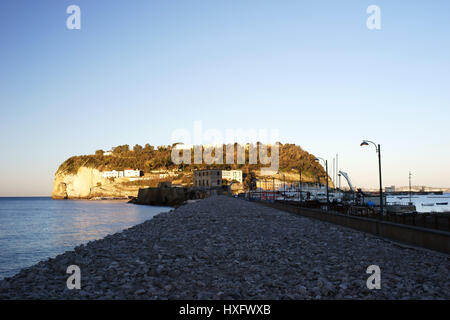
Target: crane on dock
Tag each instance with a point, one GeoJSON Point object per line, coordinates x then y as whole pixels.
{"type": "Point", "coordinates": [345, 175]}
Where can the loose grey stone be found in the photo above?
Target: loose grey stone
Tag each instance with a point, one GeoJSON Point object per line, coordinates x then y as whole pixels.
{"type": "Point", "coordinates": [227, 248]}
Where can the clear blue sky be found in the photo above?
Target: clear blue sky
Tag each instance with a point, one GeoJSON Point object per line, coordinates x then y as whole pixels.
{"type": "Point", "coordinates": [137, 70]}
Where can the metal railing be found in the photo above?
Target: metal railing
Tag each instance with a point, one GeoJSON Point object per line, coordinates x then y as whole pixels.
{"type": "Point", "coordinates": [437, 221]}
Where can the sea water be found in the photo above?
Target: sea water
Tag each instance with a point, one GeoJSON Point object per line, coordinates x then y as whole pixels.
{"type": "Point", "coordinates": [424, 203]}
{"type": "Point", "coordinates": [34, 229]}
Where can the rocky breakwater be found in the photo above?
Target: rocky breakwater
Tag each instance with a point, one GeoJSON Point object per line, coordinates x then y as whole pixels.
{"type": "Point", "coordinates": [88, 183]}
{"type": "Point", "coordinates": [226, 248]}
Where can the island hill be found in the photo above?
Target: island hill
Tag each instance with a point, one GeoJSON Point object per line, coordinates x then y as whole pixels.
{"type": "Point", "coordinates": [122, 171]}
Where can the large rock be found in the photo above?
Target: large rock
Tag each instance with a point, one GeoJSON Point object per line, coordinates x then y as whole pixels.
{"type": "Point", "coordinates": [59, 190]}
{"type": "Point", "coordinates": [88, 183]}
{"type": "Point", "coordinates": [75, 185]}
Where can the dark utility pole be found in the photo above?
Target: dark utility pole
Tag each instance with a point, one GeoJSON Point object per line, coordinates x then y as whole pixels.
{"type": "Point", "coordinates": [326, 177]}
{"type": "Point", "coordinates": [381, 184]}
{"type": "Point", "coordinates": [326, 168]}
{"type": "Point", "coordinates": [378, 150]}
{"type": "Point", "coordinates": [301, 196]}
{"type": "Point", "coordinates": [273, 189]}
{"type": "Point", "coordinates": [410, 202]}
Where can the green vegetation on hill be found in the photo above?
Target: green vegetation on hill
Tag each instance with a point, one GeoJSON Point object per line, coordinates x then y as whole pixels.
{"type": "Point", "coordinates": [148, 158]}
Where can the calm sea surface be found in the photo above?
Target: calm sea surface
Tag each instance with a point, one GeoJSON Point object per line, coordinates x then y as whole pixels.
{"type": "Point", "coordinates": [34, 229]}
{"type": "Point", "coordinates": [424, 203]}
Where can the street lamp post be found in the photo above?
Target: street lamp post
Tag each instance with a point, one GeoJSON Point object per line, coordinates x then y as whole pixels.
{"type": "Point", "coordinates": [300, 186]}
{"type": "Point", "coordinates": [378, 150]}
{"type": "Point", "coordinates": [326, 170]}
{"type": "Point", "coordinates": [339, 175]}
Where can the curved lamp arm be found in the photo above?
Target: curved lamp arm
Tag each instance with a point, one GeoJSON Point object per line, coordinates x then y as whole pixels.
{"type": "Point", "coordinates": [366, 143]}
{"type": "Point", "coordinates": [318, 158]}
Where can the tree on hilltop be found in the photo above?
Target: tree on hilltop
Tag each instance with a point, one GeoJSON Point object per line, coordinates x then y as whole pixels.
{"type": "Point", "coordinates": [99, 153]}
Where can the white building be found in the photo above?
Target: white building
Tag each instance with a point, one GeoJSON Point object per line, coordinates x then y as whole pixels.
{"type": "Point", "coordinates": [232, 175]}
{"type": "Point", "coordinates": [121, 174]}
{"type": "Point", "coordinates": [214, 177]}
{"type": "Point", "coordinates": [208, 178]}
{"type": "Point", "coordinates": [131, 173]}
{"type": "Point", "coordinates": [112, 174]}
{"type": "Point", "coordinates": [389, 189]}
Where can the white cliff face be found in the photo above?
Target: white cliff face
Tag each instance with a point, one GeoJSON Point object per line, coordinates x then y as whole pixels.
{"type": "Point", "coordinates": [89, 183]}
{"type": "Point", "coordinates": [76, 185]}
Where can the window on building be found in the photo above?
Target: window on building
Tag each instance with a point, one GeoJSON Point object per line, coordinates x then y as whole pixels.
{"type": "Point", "coordinates": [218, 181]}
